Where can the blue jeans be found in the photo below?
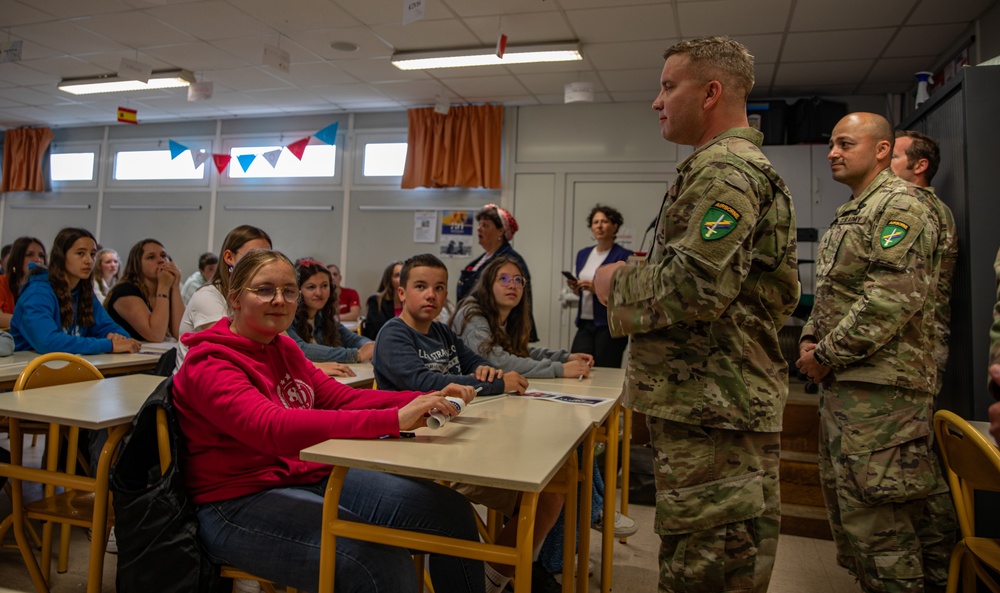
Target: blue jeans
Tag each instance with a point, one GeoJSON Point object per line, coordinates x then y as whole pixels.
{"type": "Point", "coordinates": [275, 534]}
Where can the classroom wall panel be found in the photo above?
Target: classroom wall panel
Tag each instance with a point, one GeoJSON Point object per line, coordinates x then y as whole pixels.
{"type": "Point", "coordinates": [43, 215]}
{"type": "Point", "coordinates": [300, 223]}
{"type": "Point", "coordinates": [377, 237]}
{"type": "Point", "coordinates": [539, 241]}
{"type": "Point", "coordinates": [179, 220]}
{"type": "Point", "coordinates": [590, 133]}
{"type": "Point", "coordinates": [164, 131]}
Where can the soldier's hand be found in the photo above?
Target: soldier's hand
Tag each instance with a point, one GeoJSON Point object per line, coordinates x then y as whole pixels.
{"type": "Point", "coordinates": [602, 281]}
{"type": "Point", "coordinates": [810, 367]}
{"type": "Point", "coordinates": [995, 416]}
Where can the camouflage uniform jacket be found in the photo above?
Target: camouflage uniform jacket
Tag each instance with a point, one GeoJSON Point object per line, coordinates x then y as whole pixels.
{"type": "Point", "coordinates": [945, 258]}
{"type": "Point", "coordinates": [995, 331]}
{"type": "Point", "coordinates": [873, 317]}
{"type": "Point", "coordinates": [720, 280]}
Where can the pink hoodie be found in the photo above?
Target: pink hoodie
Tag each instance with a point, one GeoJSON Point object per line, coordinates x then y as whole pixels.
{"type": "Point", "coordinates": [246, 410]}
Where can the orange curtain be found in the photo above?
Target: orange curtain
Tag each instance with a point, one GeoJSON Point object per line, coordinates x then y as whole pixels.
{"type": "Point", "coordinates": [461, 149]}
{"type": "Point", "coordinates": [23, 150]}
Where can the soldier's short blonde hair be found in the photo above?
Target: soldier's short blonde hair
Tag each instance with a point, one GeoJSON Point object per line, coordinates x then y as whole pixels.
{"type": "Point", "coordinates": [719, 58]}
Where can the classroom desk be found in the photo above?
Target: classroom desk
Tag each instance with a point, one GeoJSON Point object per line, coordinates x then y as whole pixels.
{"type": "Point", "coordinates": [604, 383]}
{"type": "Point", "coordinates": [537, 439]}
{"type": "Point", "coordinates": [365, 376]}
{"type": "Point", "coordinates": [984, 429]}
{"type": "Point", "coordinates": [109, 364]}
{"type": "Point", "coordinates": [108, 403]}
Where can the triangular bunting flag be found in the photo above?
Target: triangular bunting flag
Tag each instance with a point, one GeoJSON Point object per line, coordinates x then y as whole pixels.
{"type": "Point", "coordinates": [176, 149]}
{"type": "Point", "coordinates": [271, 156]}
{"type": "Point", "coordinates": [298, 148]}
{"type": "Point", "coordinates": [221, 161]}
{"type": "Point", "coordinates": [246, 160]}
{"type": "Point", "coordinates": [328, 134]}
{"type": "Point", "coordinates": [199, 157]}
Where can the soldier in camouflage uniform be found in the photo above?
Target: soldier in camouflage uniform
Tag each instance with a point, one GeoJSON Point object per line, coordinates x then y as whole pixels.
{"type": "Point", "coordinates": [994, 382]}
{"type": "Point", "coordinates": [703, 314]}
{"type": "Point", "coordinates": [870, 340]}
{"type": "Point", "coordinates": [915, 159]}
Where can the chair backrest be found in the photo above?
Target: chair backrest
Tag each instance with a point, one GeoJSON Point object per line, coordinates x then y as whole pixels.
{"type": "Point", "coordinates": [38, 373]}
{"type": "Point", "coordinates": [971, 461]}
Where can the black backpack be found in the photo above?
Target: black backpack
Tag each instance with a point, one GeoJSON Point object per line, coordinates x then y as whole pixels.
{"type": "Point", "coordinates": [155, 522]}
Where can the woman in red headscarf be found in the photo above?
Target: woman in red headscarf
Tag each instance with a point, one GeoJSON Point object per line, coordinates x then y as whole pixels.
{"type": "Point", "coordinates": [495, 228]}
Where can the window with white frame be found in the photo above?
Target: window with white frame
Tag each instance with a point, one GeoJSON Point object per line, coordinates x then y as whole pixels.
{"type": "Point", "coordinates": [384, 159]}
{"type": "Point", "coordinates": [318, 160]}
{"type": "Point", "coordinates": [149, 165]}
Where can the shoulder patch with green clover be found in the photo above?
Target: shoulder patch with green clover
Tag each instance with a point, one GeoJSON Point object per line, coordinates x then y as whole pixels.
{"type": "Point", "coordinates": [719, 221]}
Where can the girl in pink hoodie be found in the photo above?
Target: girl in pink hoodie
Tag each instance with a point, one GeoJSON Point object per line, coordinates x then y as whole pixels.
{"type": "Point", "coordinates": [248, 401]}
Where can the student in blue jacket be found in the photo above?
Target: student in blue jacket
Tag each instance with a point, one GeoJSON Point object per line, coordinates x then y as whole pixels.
{"type": "Point", "coordinates": [57, 310]}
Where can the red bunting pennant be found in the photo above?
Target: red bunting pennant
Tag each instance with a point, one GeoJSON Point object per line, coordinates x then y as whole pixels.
{"type": "Point", "coordinates": [221, 161]}
{"type": "Point", "coordinates": [298, 147]}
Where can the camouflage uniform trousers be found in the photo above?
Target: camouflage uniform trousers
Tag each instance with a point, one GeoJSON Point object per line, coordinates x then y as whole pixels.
{"type": "Point", "coordinates": [718, 508]}
{"type": "Point", "coordinates": [890, 510]}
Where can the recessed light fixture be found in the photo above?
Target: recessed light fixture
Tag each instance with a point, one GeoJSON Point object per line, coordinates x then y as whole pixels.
{"type": "Point", "coordinates": [344, 46]}
{"type": "Point", "coordinates": [112, 83]}
{"type": "Point", "coordinates": [486, 56]}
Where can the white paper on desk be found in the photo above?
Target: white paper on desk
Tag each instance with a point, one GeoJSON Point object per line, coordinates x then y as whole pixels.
{"type": "Point", "coordinates": [156, 347]}
{"type": "Point", "coordinates": [566, 398]}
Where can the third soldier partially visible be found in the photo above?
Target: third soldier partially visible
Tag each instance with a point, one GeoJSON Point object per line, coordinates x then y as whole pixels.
{"type": "Point", "coordinates": [871, 341]}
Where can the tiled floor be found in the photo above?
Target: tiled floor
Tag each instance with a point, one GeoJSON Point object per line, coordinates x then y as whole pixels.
{"type": "Point", "coordinates": [803, 565]}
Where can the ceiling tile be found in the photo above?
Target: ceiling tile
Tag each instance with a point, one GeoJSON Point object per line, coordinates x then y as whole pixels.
{"type": "Point", "coordinates": [134, 29]}
{"type": "Point", "coordinates": [13, 73]}
{"type": "Point", "coordinates": [933, 12]}
{"type": "Point", "coordinates": [635, 97]}
{"type": "Point", "coordinates": [378, 12]}
{"type": "Point", "coordinates": [251, 49]}
{"type": "Point", "coordinates": [634, 23]}
{"type": "Point", "coordinates": [630, 54]}
{"type": "Point", "coordinates": [574, 4]}
{"type": "Point", "coordinates": [472, 8]}
{"type": "Point", "coordinates": [370, 105]}
{"type": "Point", "coordinates": [822, 73]}
{"type": "Point", "coordinates": [200, 56]}
{"type": "Point", "coordinates": [282, 97]}
{"type": "Point", "coordinates": [67, 38]}
{"type": "Point", "coordinates": [317, 74]}
{"type": "Point", "coordinates": [764, 48]}
{"type": "Point", "coordinates": [61, 66]}
{"type": "Point", "coordinates": [814, 90]}
{"type": "Point", "coordinates": [884, 88]}
{"type": "Point", "coordinates": [379, 70]}
{"type": "Point", "coordinates": [844, 14]}
{"type": "Point", "coordinates": [513, 101]}
{"type": "Point", "coordinates": [245, 79]}
{"type": "Point", "coordinates": [850, 45]}
{"type": "Point", "coordinates": [541, 84]}
{"type": "Point", "coordinates": [307, 15]}
{"type": "Point", "coordinates": [899, 69]}
{"type": "Point", "coordinates": [420, 91]}
{"type": "Point", "coordinates": [318, 42]}
{"type": "Point", "coordinates": [499, 86]}
{"type": "Point", "coordinates": [110, 61]}
{"type": "Point", "coordinates": [734, 17]}
{"type": "Point", "coordinates": [427, 35]}
{"type": "Point", "coordinates": [349, 93]}
{"type": "Point", "coordinates": [30, 96]}
{"type": "Point", "coordinates": [924, 40]}
{"type": "Point", "coordinates": [543, 67]}
{"type": "Point", "coordinates": [560, 99]}
{"type": "Point", "coordinates": [522, 29]}
{"type": "Point", "coordinates": [631, 80]}
{"type": "Point", "coordinates": [20, 13]}
{"type": "Point", "coordinates": [762, 74]}
{"type": "Point", "coordinates": [211, 20]}
{"type": "Point", "coordinates": [72, 8]}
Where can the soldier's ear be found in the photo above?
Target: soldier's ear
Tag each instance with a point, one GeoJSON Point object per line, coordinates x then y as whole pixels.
{"type": "Point", "coordinates": [920, 167]}
{"type": "Point", "coordinates": [883, 150]}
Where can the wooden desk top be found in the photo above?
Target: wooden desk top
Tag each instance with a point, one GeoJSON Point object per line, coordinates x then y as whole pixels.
{"type": "Point", "coordinates": [365, 375]}
{"type": "Point", "coordinates": [88, 404]}
{"type": "Point", "coordinates": [506, 442]}
{"type": "Point", "coordinates": [599, 377]}
{"type": "Point", "coordinates": [11, 366]}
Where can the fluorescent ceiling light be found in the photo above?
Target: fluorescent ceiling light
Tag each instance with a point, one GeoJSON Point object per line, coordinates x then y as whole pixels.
{"type": "Point", "coordinates": [486, 56]}
{"type": "Point", "coordinates": [112, 83]}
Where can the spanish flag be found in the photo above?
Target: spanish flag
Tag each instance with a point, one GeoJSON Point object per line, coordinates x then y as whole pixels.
{"type": "Point", "coordinates": [127, 116]}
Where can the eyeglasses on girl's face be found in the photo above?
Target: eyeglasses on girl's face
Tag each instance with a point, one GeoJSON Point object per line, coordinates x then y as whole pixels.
{"type": "Point", "coordinates": [267, 293]}
{"type": "Point", "coordinates": [506, 280]}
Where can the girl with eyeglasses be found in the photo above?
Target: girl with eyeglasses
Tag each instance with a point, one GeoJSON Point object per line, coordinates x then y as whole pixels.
{"type": "Point", "coordinates": [57, 310]}
{"type": "Point", "coordinates": [147, 300]}
{"type": "Point", "coordinates": [316, 330]}
{"type": "Point", "coordinates": [248, 401]}
{"type": "Point", "coordinates": [494, 320]}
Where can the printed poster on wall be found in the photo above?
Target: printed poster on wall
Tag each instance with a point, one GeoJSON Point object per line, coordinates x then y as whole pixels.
{"type": "Point", "coordinates": [456, 233]}
{"type": "Point", "coordinates": [424, 226]}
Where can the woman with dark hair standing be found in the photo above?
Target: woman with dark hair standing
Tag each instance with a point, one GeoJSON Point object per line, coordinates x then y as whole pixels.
{"type": "Point", "coordinates": [147, 299]}
{"type": "Point", "coordinates": [384, 304]}
{"type": "Point", "coordinates": [592, 333]}
{"type": "Point", "coordinates": [208, 304]}
{"type": "Point", "coordinates": [58, 312]}
{"type": "Point", "coordinates": [495, 228]}
{"type": "Point", "coordinates": [24, 252]}
{"type": "Point", "coordinates": [315, 329]}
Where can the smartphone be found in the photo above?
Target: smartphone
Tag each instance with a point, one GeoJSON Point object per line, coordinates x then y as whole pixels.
{"type": "Point", "coordinates": [569, 276]}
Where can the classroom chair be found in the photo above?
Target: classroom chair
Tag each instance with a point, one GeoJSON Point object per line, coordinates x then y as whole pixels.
{"type": "Point", "coordinates": [971, 463]}
{"type": "Point", "coordinates": [69, 507]}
